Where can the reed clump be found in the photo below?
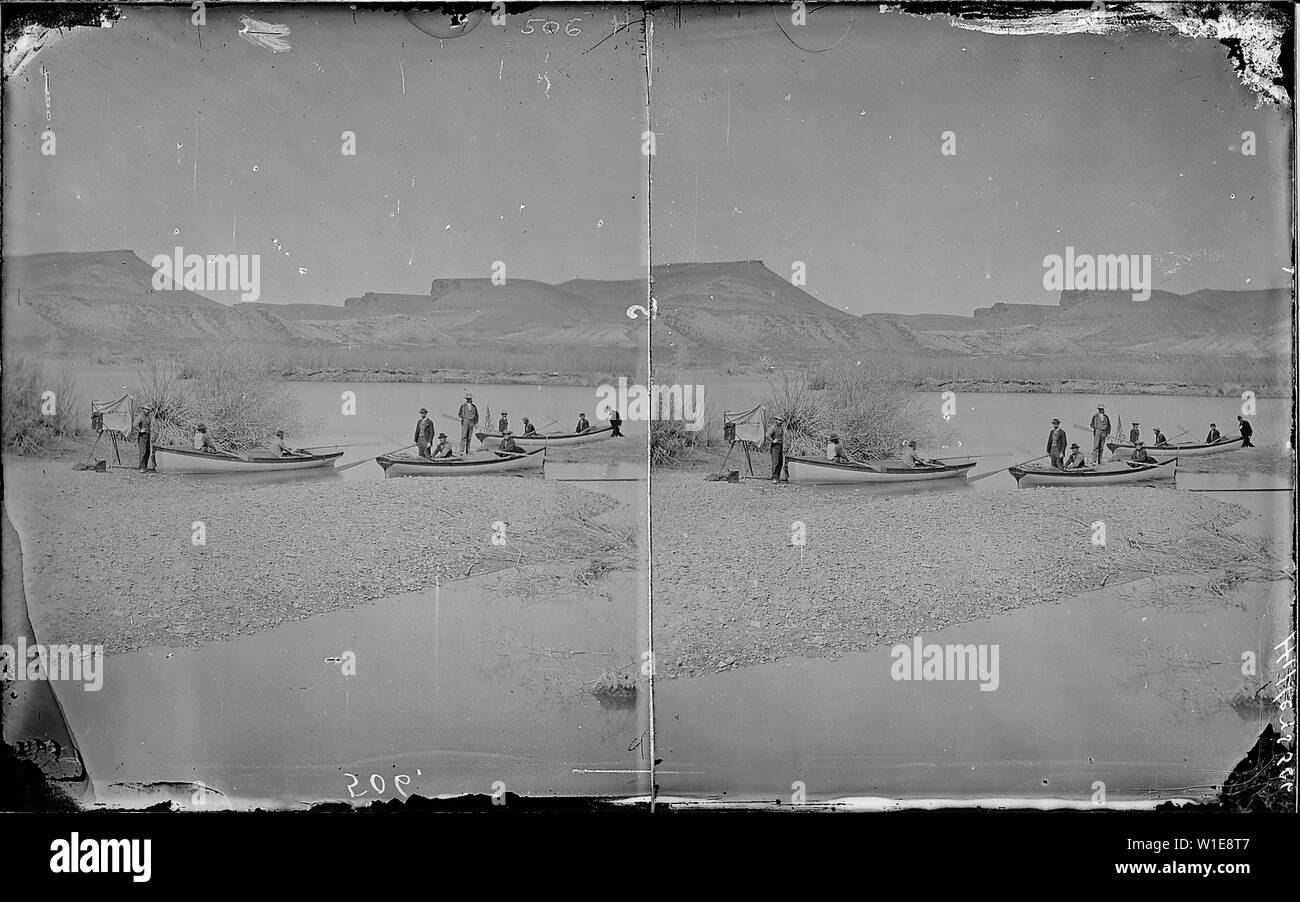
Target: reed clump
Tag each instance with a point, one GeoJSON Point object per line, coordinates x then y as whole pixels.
{"type": "Point", "coordinates": [40, 410]}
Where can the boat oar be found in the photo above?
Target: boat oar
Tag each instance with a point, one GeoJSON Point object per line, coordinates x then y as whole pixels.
{"type": "Point", "coordinates": [357, 463]}
{"type": "Point", "coordinates": [969, 457]}
{"type": "Point", "coordinates": [1004, 469]}
{"type": "Point", "coordinates": [318, 447]}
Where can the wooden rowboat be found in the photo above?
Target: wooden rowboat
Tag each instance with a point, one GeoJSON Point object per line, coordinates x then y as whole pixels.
{"type": "Point", "coordinates": [171, 459]}
{"type": "Point", "coordinates": [1116, 472]}
{"type": "Point", "coordinates": [482, 464]}
{"type": "Point", "coordinates": [817, 471]}
{"type": "Point", "coordinates": [1124, 450]}
{"type": "Point", "coordinates": [542, 439]}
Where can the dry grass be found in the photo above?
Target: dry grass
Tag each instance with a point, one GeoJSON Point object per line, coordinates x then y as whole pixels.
{"type": "Point", "coordinates": [28, 430]}
{"type": "Point", "coordinates": [865, 404]}
{"type": "Point", "coordinates": [235, 394]}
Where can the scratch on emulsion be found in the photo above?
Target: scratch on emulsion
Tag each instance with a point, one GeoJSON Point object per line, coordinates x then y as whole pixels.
{"type": "Point", "coordinates": [265, 34]}
{"type": "Point", "coordinates": [403, 69]}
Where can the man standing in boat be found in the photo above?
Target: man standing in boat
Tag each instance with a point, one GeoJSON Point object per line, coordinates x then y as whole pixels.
{"type": "Point", "coordinates": [583, 425]}
{"type": "Point", "coordinates": [1056, 443]}
{"type": "Point", "coordinates": [143, 428]}
{"type": "Point", "coordinates": [444, 449]}
{"type": "Point", "coordinates": [776, 437]}
{"type": "Point", "coordinates": [468, 414]}
{"type": "Point", "coordinates": [1212, 437]}
{"type": "Point", "coordinates": [1246, 432]}
{"type": "Point", "coordinates": [1100, 431]}
{"type": "Point", "coordinates": [1135, 433]}
{"type": "Point", "coordinates": [1076, 459]}
{"type": "Point", "coordinates": [424, 432]}
{"type": "Point", "coordinates": [503, 424]}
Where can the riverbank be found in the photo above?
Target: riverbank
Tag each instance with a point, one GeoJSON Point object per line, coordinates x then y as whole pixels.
{"type": "Point", "coordinates": [732, 591]}
{"type": "Point", "coordinates": [1092, 387]}
{"type": "Point", "coordinates": [110, 557]}
{"type": "Point", "coordinates": [454, 377]}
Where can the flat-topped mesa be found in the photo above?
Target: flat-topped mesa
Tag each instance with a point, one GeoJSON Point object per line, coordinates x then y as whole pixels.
{"type": "Point", "coordinates": [442, 287]}
{"type": "Point", "coordinates": [1070, 297]}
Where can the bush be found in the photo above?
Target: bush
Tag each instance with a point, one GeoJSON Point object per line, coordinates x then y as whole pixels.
{"type": "Point", "coordinates": [866, 405]}
{"type": "Point", "coordinates": [672, 443]}
{"type": "Point", "coordinates": [26, 429]}
{"type": "Point", "coordinates": [235, 394]}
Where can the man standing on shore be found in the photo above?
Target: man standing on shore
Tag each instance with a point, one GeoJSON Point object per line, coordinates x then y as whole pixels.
{"type": "Point", "coordinates": [143, 429]}
{"type": "Point", "coordinates": [468, 414]}
{"type": "Point", "coordinates": [424, 432]}
{"type": "Point", "coordinates": [1246, 432]}
{"type": "Point", "coordinates": [776, 436]}
{"type": "Point", "coordinates": [1056, 444]}
{"type": "Point", "coordinates": [1100, 431]}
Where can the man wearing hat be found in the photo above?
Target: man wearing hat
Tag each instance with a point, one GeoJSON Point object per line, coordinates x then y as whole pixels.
{"type": "Point", "coordinates": [1160, 440]}
{"type": "Point", "coordinates": [776, 436]}
{"type": "Point", "coordinates": [503, 424]}
{"type": "Point", "coordinates": [143, 428]}
{"type": "Point", "coordinates": [911, 458]}
{"type": "Point", "coordinates": [835, 452]}
{"type": "Point", "coordinates": [1140, 453]}
{"type": "Point", "coordinates": [281, 447]}
{"type": "Point", "coordinates": [1135, 433]}
{"type": "Point", "coordinates": [582, 425]}
{"type": "Point", "coordinates": [1213, 437]}
{"type": "Point", "coordinates": [508, 443]}
{"type": "Point", "coordinates": [1100, 431]}
{"type": "Point", "coordinates": [1056, 443]}
{"type": "Point", "coordinates": [424, 432]}
{"type": "Point", "coordinates": [444, 448]}
{"type": "Point", "coordinates": [1076, 460]}
{"type": "Point", "coordinates": [468, 414]}
{"type": "Point", "coordinates": [529, 428]}
{"type": "Point", "coordinates": [202, 441]}
{"type": "Point", "coordinates": [1245, 430]}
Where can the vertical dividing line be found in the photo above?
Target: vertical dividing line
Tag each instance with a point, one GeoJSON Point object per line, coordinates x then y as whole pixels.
{"type": "Point", "coordinates": [648, 32]}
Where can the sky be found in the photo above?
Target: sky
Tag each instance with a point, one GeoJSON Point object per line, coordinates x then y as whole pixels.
{"type": "Point", "coordinates": [495, 145]}
{"type": "Point", "coordinates": [526, 148]}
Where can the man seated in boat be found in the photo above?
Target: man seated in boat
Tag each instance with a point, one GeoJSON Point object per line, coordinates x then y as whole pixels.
{"type": "Point", "coordinates": [583, 425]}
{"type": "Point", "coordinates": [1076, 460]}
{"type": "Point", "coordinates": [1213, 437]}
{"type": "Point", "coordinates": [835, 452]}
{"type": "Point", "coordinates": [508, 443]}
{"type": "Point", "coordinates": [529, 428]}
{"type": "Point", "coordinates": [1140, 454]}
{"type": "Point", "coordinates": [281, 447]}
{"type": "Point", "coordinates": [202, 441]}
{"type": "Point", "coordinates": [443, 449]}
{"type": "Point", "coordinates": [1161, 441]}
{"type": "Point", "coordinates": [911, 458]}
